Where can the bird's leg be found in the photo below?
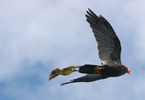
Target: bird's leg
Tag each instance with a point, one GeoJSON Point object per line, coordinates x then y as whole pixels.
{"type": "Point", "coordinates": [98, 69]}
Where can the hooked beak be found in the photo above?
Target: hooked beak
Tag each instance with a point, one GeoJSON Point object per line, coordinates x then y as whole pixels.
{"type": "Point", "coordinates": [128, 71]}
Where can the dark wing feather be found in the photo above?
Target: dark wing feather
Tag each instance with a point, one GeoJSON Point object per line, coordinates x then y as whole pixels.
{"type": "Point", "coordinates": [86, 78]}
{"type": "Point", "coordinates": [108, 43]}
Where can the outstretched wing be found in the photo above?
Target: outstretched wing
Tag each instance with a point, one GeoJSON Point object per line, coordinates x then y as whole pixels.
{"type": "Point", "coordinates": [86, 78]}
{"type": "Point", "coordinates": [108, 43]}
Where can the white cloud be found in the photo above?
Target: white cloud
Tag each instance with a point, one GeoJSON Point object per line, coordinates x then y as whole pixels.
{"type": "Point", "coordinates": [56, 34]}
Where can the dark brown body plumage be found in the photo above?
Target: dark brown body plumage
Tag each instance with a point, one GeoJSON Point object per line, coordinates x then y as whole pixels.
{"type": "Point", "coordinates": [109, 52]}
{"type": "Point", "coordinates": [109, 71]}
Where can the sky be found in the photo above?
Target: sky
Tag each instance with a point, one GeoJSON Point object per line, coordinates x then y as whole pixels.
{"type": "Point", "coordinates": [39, 35]}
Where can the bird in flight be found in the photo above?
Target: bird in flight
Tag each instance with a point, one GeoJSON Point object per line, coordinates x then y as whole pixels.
{"type": "Point", "coordinates": [109, 53]}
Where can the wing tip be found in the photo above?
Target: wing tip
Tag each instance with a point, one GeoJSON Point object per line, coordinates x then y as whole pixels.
{"type": "Point", "coordinates": [65, 83]}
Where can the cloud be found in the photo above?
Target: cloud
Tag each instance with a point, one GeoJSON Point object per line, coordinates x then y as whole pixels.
{"type": "Point", "coordinates": [37, 36]}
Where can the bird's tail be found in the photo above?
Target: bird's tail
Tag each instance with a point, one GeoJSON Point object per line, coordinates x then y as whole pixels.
{"type": "Point", "coordinates": [91, 69]}
{"type": "Point", "coordinates": [54, 73]}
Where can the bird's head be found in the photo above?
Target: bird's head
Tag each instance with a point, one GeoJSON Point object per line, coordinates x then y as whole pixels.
{"type": "Point", "coordinates": [128, 71]}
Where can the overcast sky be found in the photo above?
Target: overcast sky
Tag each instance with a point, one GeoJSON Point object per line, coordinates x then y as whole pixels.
{"type": "Point", "coordinates": [39, 35]}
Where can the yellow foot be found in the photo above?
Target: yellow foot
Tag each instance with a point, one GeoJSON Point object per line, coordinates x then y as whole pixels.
{"type": "Point", "coordinates": [97, 69]}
